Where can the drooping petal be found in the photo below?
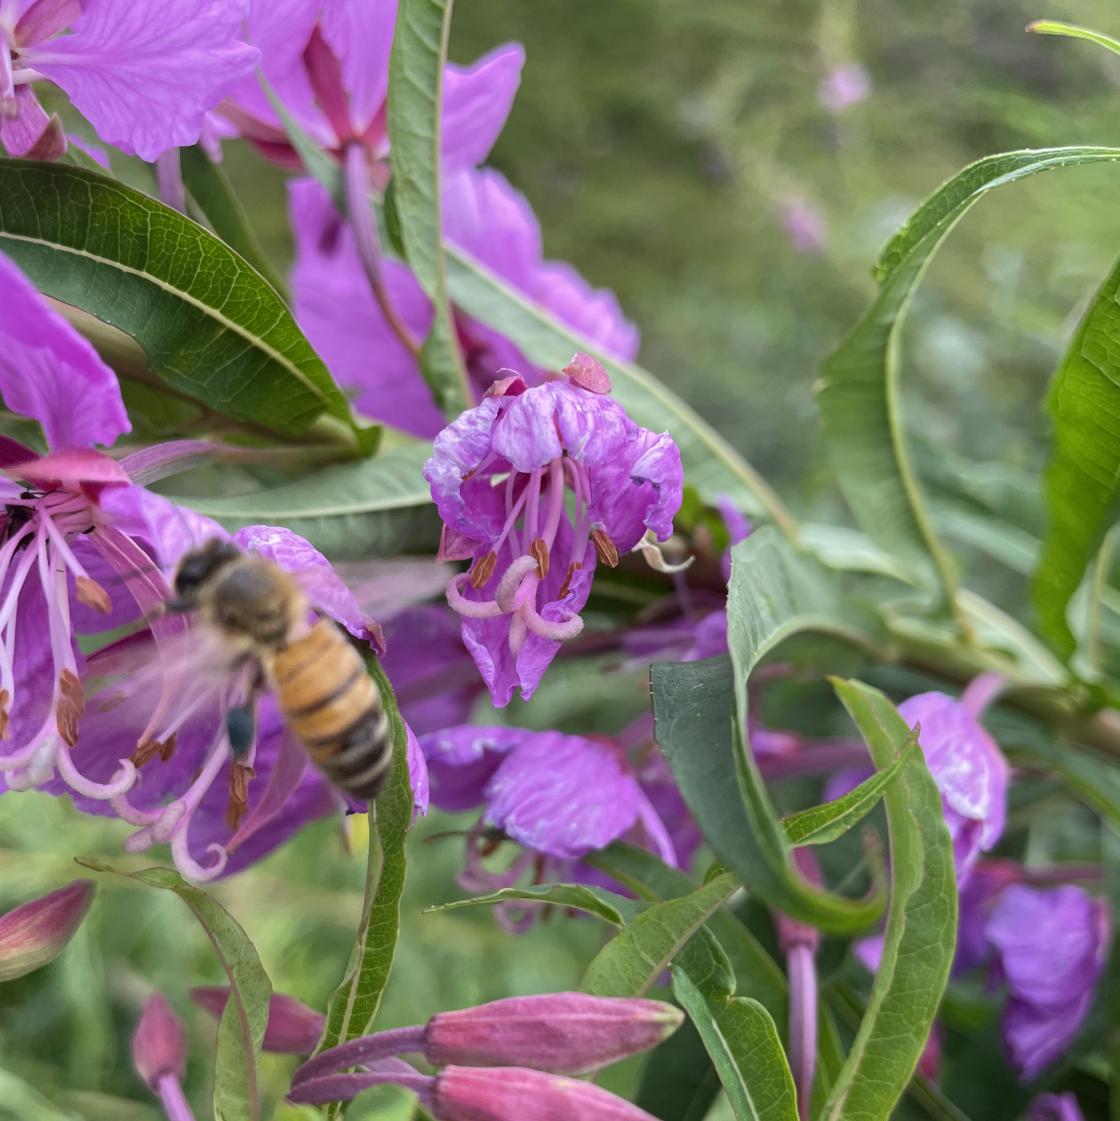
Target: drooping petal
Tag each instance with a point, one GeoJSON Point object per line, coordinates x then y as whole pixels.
{"type": "Point", "coordinates": [324, 587]}
{"type": "Point", "coordinates": [639, 490]}
{"type": "Point", "coordinates": [336, 308]}
{"type": "Point", "coordinates": [144, 72]}
{"type": "Point", "coordinates": [969, 770]}
{"type": "Point", "coordinates": [47, 369]}
{"type": "Point", "coordinates": [562, 795]}
{"type": "Point", "coordinates": [476, 102]}
{"type": "Point", "coordinates": [462, 760]}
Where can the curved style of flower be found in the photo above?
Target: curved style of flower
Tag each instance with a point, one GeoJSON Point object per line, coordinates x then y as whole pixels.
{"type": "Point", "coordinates": [492, 223]}
{"type": "Point", "coordinates": [142, 72]}
{"type": "Point", "coordinates": [327, 62]}
{"type": "Point", "coordinates": [219, 810]}
{"type": "Point", "coordinates": [500, 477]}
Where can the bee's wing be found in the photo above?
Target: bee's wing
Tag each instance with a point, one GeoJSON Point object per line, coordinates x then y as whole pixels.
{"type": "Point", "coordinates": [385, 587]}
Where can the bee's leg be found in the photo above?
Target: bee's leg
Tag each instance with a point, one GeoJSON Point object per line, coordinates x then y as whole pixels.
{"type": "Point", "coordinates": [241, 721]}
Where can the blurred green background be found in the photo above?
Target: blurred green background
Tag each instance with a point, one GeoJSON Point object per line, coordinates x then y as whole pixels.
{"type": "Point", "coordinates": [664, 146]}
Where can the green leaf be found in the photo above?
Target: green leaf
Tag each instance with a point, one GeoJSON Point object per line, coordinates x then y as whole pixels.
{"type": "Point", "coordinates": [631, 962]}
{"type": "Point", "coordinates": [1072, 31]}
{"type": "Point", "coordinates": [241, 1028]}
{"type": "Point", "coordinates": [921, 929]}
{"type": "Point", "coordinates": [353, 1005]}
{"type": "Point", "coordinates": [211, 192]}
{"type": "Point", "coordinates": [416, 69]}
{"type": "Point", "coordinates": [321, 166]}
{"type": "Point", "coordinates": [614, 909]}
{"type": "Point", "coordinates": [211, 328]}
{"type": "Point", "coordinates": [775, 593]}
{"type": "Point", "coordinates": [743, 1044]}
{"type": "Point", "coordinates": [859, 393]}
{"type": "Point", "coordinates": [821, 824]}
{"type": "Point", "coordinates": [678, 1081]}
{"type": "Point", "coordinates": [1083, 475]}
{"type": "Point", "coordinates": [373, 507]}
{"type": "Point", "coordinates": [711, 464]}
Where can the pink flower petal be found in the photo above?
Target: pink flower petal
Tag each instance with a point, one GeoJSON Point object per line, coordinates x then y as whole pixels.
{"type": "Point", "coordinates": [476, 102]}
{"type": "Point", "coordinates": [144, 72]}
{"type": "Point", "coordinates": [47, 369]}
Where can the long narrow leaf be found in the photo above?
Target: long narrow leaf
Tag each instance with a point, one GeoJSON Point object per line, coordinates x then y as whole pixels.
{"type": "Point", "coordinates": [1083, 476]}
{"type": "Point", "coordinates": [241, 1028]}
{"type": "Point", "coordinates": [743, 1044]}
{"type": "Point", "coordinates": [416, 69]}
{"type": "Point", "coordinates": [860, 391]}
{"type": "Point", "coordinates": [353, 1005]}
{"type": "Point", "coordinates": [211, 328]}
{"type": "Point", "coordinates": [921, 930]}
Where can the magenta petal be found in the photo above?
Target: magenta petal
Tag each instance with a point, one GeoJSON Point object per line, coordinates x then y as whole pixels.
{"type": "Point", "coordinates": [46, 367]}
{"type": "Point", "coordinates": [417, 775]}
{"type": "Point", "coordinates": [592, 312]}
{"type": "Point", "coordinates": [144, 72]}
{"type": "Point", "coordinates": [287, 774]}
{"type": "Point", "coordinates": [31, 133]}
{"type": "Point", "coordinates": [336, 308]}
{"type": "Point", "coordinates": [562, 795]}
{"type": "Point", "coordinates": [324, 587]}
{"type": "Point", "coordinates": [462, 760]}
{"type": "Point", "coordinates": [476, 102]}
{"type": "Point", "coordinates": [73, 468]}
{"type": "Point", "coordinates": [361, 34]}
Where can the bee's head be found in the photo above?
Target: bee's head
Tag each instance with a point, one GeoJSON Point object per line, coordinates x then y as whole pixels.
{"type": "Point", "coordinates": [197, 568]}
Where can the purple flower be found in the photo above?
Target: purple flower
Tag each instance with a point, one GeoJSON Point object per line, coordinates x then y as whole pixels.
{"type": "Point", "coordinates": [143, 73]}
{"type": "Point", "coordinates": [486, 218]}
{"type": "Point", "coordinates": [844, 86]}
{"type": "Point", "coordinates": [1055, 1107]}
{"type": "Point", "coordinates": [218, 811]}
{"type": "Point", "coordinates": [500, 475]}
{"type": "Point", "coordinates": [328, 63]}
{"type": "Point", "coordinates": [292, 1029]}
{"type": "Point", "coordinates": [38, 931]}
{"type": "Point", "coordinates": [1050, 947]}
{"type": "Point", "coordinates": [805, 225]}
{"type": "Point", "coordinates": [969, 769]}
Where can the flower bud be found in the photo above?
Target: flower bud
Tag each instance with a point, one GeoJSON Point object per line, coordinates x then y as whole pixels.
{"type": "Point", "coordinates": [159, 1046]}
{"type": "Point", "coordinates": [37, 932]}
{"type": "Point", "coordinates": [565, 1033]}
{"type": "Point", "coordinates": [293, 1028]}
{"type": "Point", "coordinates": [511, 1094]}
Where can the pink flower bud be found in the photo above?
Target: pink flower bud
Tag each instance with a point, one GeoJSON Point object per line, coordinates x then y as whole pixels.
{"type": "Point", "coordinates": [159, 1046]}
{"type": "Point", "coordinates": [565, 1033]}
{"type": "Point", "coordinates": [292, 1029]}
{"type": "Point", "coordinates": [792, 933]}
{"type": "Point", "coordinates": [37, 932]}
{"type": "Point", "coordinates": [512, 1094]}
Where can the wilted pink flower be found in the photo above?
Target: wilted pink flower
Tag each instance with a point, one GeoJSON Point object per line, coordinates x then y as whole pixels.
{"type": "Point", "coordinates": [293, 1028]}
{"type": "Point", "coordinates": [159, 1053]}
{"type": "Point", "coordinates": [37, 932]}
{"type": "Point", "coordinates": [844, 86]}
{"type": "Point", "coordinates": [500, 475]}
{"type": "Point", "coordinates": [494, 224]}
{"type": "Point", "coordinates": [142, 72]}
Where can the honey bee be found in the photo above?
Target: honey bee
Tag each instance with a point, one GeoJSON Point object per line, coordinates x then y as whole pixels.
{"type": "Point", "coordinates": [255, 611]}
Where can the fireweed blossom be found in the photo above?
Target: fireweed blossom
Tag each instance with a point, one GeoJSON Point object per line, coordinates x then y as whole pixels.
{"type": "Point", "coordinates": [484, 217]}
{"type": "Point", "coordinates": [217, 810]}
{"type": "Point", "coordinates": [142, 72]}
{"type": "Point", "coordinates": [501, 476]}
{"type": "Point", "coordinates": [559, 797]}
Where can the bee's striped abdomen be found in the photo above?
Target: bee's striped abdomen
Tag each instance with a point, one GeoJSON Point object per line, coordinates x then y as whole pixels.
{"type": "Point", "coordinates": [333, 707]}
